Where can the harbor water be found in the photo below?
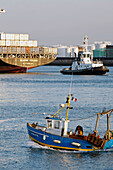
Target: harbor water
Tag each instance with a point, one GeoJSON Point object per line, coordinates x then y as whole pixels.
{"type": "Point", "coordinates": [30, 97]}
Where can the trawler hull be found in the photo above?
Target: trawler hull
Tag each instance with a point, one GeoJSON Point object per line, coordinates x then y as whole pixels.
{"type": "Point", "coordinates": [71, 143]}
{"type": "Point", "coordinates": [89, 71]}
{"type": "Point", "coordinates": [58, 142]}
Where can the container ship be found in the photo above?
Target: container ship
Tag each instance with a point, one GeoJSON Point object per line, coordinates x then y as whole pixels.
{"type": "Point", "coordinates": [18, 53]}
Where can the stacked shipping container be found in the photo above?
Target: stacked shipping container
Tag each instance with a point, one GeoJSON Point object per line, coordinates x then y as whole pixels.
{"type": "Point", "coordinates": [28, 50]}
{"type": "Point", "coordinates": [20, 44]}
{"type": "Point", "coordinates": [16, 40]}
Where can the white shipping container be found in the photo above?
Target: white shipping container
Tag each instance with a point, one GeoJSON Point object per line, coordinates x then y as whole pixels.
{"type": "Point", "coordinates": [24, 37]}
{"type": "Point", "coordinates": [50, 50]}
{"type": "Point", "coordinates": [14, 50]}
{"type": "Point", "coordinates": [7, 43]}
{"type": "Point", "coordinates": [21, 37]}
{"type": "Point", "coordinates": [36, 50]}
{"type": "Point", "coordinates": [54, 51]}
{"type": "Point", "coordinates": [18, 50]}
{"type": "Point", "coordinates": [35, 43]}
{"type": "Point", "coordinates": [2, 42]}
{"type": "Point", "coordinates": [11, 36]}
{"type": "Point", "coordinates": [21, 43]}
{"type": "Point", "coordinates": [8, 36]}
{"type": "Point", "coordinates": [17, 43]}
{"type": "Point", "coordinates": [46, 50]}
{"type": "Point", "coordinates": [16, 36]}
{"type": "Point", "coordinates": [12, 43]}
{"type": "Point", "coordinates": [2, 36]}
{"type": "Point", "coordinates": [4, 49]}
{"type": "Point", "coordinates": [32, 43]}
{"type": "Point", "coordinates": [23, 49]}
{"type": "Point", "coordinates": [26, 43]}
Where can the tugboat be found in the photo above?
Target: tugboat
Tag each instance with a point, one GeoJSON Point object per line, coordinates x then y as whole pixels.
{"type": "Point", "coordinates": [83, 65]}
{"type": "Point", "coordinates": [57, 135]}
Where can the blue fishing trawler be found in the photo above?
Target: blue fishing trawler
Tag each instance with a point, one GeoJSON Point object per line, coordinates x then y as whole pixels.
{"type": "Point", "coordinates": [57, 135]}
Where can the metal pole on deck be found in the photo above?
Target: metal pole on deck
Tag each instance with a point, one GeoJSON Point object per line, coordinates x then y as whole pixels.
{"type": "Point", "coordinates": [108, 126]}
{"type": "Point", "coordinates": [96, 124]}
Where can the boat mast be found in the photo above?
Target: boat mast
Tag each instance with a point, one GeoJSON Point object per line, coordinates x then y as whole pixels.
{"type": "Point", "coordinates": [68, 107]}
{"type": "Point", "coordinates": [85, 42]}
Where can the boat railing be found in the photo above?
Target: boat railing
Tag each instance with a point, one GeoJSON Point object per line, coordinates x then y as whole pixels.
{"type": "Point", "coordinates": [42, 128]}
{"type": "Point", "coordinates": [36, 126]}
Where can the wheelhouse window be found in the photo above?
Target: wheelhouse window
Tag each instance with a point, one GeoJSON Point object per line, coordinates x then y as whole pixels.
{"type": "Point", "coordinates": [57, 125]}
{"type": "Point", "coordinates": [49, 122]}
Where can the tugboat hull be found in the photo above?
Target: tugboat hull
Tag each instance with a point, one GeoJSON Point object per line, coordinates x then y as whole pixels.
{"type": "Point", "coordinates": [91, 71]}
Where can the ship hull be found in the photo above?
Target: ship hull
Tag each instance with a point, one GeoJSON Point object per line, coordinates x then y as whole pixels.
{"type": "Point", "coordinates": [21, 65]}
{"type": "Point", "coordinates": [12, 69]}
{"type": "Point", "coordinates": [93, 71]}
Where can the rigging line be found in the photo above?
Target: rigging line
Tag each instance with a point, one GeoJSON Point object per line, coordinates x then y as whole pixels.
{"type": "Point", "coordinates": [102, 116]}
{"type": "Point", "coordinates": [60, 111]}
{"type": "Point", "coordinates": [110, 122]}
{"type": "Point", "coordinates": [82, 118]}
{"type": "Point", "coordinates": [71, 83]}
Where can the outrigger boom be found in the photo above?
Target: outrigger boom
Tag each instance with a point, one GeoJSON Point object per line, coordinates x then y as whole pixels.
{"type": "Point", "coordinates": [108, 130]}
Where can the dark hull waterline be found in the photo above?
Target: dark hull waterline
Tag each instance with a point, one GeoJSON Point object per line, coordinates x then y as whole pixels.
{"type": "Point", "coordinates": [21, 65]}
{"type": "Point", "coordinates": [93, 71]}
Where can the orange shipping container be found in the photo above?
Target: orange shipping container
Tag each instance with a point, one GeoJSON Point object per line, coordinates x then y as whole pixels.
{"type": "Point", "coordinates": [27, 50]}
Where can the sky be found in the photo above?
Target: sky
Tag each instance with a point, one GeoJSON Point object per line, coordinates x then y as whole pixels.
{"type": "Point", "coordinates": [53, 22]}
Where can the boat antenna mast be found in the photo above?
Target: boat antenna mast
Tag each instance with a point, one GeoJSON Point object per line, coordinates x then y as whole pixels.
{"type": "Point", "coordinates": [68, 104]}
{"type": "Point", "coordinates": [85, 42]}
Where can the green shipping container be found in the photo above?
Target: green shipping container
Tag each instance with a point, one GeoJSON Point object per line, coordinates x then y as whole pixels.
{"type": "Point", "coordinates": [99, 53]}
